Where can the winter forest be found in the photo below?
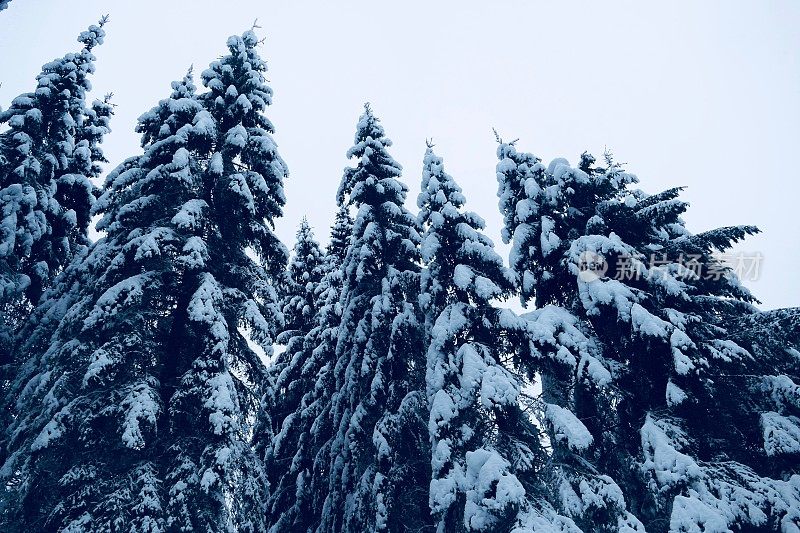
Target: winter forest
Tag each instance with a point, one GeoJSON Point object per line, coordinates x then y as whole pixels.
{"type": "Point", "coordinates": [188, 371]}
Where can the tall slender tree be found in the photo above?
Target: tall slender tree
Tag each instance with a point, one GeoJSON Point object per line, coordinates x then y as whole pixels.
{"type": "Point", "coordinates": [299, 308]}
{"type": "Point", "coordinates": [376, 477]}
{"type": "Point", "coordinates": [48, 155]}
{"type": "Point", "coordinates": [148, 384]}
{"type": "Point", "coordinates": [279, 419]}
{"type": "Point", "coordinates": [485, 451]}
{"type": "Point", "coordinates": [297, 448]}
{"type": "Point", "coordinates": [244, 194]}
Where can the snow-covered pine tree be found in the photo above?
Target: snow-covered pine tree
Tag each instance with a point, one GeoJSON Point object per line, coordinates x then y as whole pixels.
{"type": "Point", "coordinates": [377, 471]}
{"type": "Point", "coordinates": [484, 450]}
{"type": "Point", "coordinates": [244, 193]}
{"type": "Point", "coordinates": [47, 156]}
{"type": "Point", "coordinates": [4, 4]}
{"type": "Point", "coordinates": [85, 459]}
{"type": "Point", "coordinates": [148, 382]}
{"type": "Point", "coordinates": [634, 387]}
{"type": "Point", "coordinates": [299, 308]}
{"type": "Point", "coordinates": [762, 396]}
{"type": "Point", "coordinates": [288, 381]}
{"type": "Point", "coordinates": [300, 446]}
{"type": "Point", "coordinates": [563, 358]}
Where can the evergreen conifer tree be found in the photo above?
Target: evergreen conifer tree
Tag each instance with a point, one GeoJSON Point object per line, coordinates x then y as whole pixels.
{"type": "Point", "coordinates": [376, 475]}
{"type": "Point", "coordinates": [631, 397]}
{"type": "Point", "coordinates": [48, 155]}
{"type": "Point", "coordinates": [299, 439]}
{"type": "Point", "coordinates": [288, 381]}
{"type": "Point", "coordinates": [485, 451]}
{"type": "Point", "coordinates": [148, 384]}
{"type": "Point", "coordinates": [298, 303]}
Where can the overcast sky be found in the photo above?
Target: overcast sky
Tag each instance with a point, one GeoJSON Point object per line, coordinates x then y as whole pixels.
{"type": "Point", "coordinates": [702, 94]}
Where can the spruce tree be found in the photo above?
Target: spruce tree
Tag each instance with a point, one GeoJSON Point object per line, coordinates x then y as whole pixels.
{"type": "Point", "coordinates": [102, 366]}
{"type": "Point", "coordinates": [148, 383]}
{"type": "Point", "coordinates": [48, 155]}
{"type": "Point", "coordinates": [297, 450]}
{"type": "Point", "coordinates": [341, 232]}
{"type": "Point", "coordinates": [288, 382]}
{"type": "Point", "coordinates": [298, 303]}
{"type": "Point", "coordinates": [631, 398]}
{"type": "Point", "coordinates": [244, 196]}
{"type": "Point", "coordinates": [376, 473]}
{"type": "Point", "coordinates": [485, 451]}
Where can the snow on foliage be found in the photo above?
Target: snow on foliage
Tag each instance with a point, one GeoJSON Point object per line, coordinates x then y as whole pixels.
{"type": "Point", "coordinates": [781, 433]}
{"type": "Point", "coordinates": [638, 391]}
{"type": "Point", "coordinates": [567, 427]}
{"type": "Point", "coordinates": [141, 405]}
{"type": "Point", "coordinates": [660, 338]}
{"type": "Point", "coordinates": [49, 152]}
{"type": "Point", "coordinates": [143, 330]}
{"type": "Point", "coordinates": [374, 409]}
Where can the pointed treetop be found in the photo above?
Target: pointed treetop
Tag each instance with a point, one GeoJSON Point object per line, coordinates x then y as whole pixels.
{"type": "Point", "coordinates": [237, 81]}
{"type": "Point", "coordinates": [453, 239]}
{"type": "Point", "coordinates": [499, 139]}
{"type": "Point", "coordinates": [376, 170]}
{"type": "Point", "coordinates": [162, 121]}
{"type": "Point", "coordinates": [341, 231]}
{"type": "Point", "coordinates": [438, 187]}
{"type": "Point", "coordinates": [305, 243]}
{"type": "Point", "coordinates": [305, 231]}
{"type": "Point", "coordinates": [94, 35]}
{"type": "Point", "coordinates": [185, 87]}
{"type": "Point", "coordinates": [368, 127]}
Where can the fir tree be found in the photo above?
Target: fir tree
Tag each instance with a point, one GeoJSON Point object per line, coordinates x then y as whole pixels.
{"type": "Point", "coordinates": [48, 155]}
{"type": "Point", "coordinates": [376, 474]}
{"type": "Point", "coordinates": [305, 272]}
{"type": "Point", "coordinates": [341, 232]}
{"type": "Point", "coordinates": [299, 312]}
{"type": "Point", "coordinates": [298, 448]}
{"type": "Point", "coordinates": [484, 450]}
{"type": "Point", "coordinates": [244, 196]}
{"type": "Point", "coordinates": [148, 381]}
{"type": "Point", "coordinates": [288, 380]}
{"type": "Point", "coordinates": [630, 400]}
{"type": "Point", "coordinates": [102, 368]}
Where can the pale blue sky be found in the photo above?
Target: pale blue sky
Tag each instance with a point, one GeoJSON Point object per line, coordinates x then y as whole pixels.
{"type": "Point", "coordinates": [702, 94]}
